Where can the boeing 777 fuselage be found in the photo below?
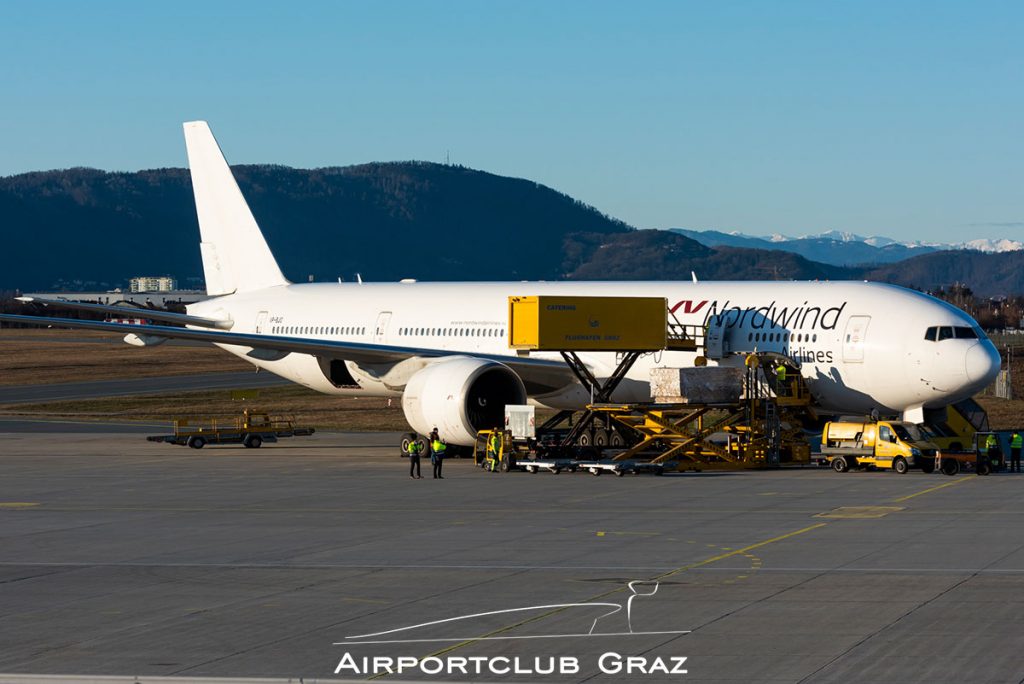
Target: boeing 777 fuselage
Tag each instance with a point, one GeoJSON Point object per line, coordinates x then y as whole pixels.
{"type": "Point", "coordinates": [444, 348]}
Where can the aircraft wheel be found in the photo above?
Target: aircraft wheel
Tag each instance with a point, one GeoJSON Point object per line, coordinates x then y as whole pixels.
{"type": "Point", "coordinates": [407, 439]}
{"type": "Point", "coordinates": [616, 440]}
{"type": "Point", "coordinates": [600, 438]}
{"type": "Point", "coordinates": [900, 465]}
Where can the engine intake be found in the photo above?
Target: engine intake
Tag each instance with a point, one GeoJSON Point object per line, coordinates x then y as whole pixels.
{"type": "Point", "coordinates": [460, 396]}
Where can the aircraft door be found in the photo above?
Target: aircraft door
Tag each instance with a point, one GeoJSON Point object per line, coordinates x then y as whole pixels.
{"type": "Point", "coordinates": [853, 338]}
{"type": "Point", "coordinates": [714, 338]}
{"type": "Point", "coordinates": [261, 322]}
{"type": "Point", "coordinates": [380, 332]}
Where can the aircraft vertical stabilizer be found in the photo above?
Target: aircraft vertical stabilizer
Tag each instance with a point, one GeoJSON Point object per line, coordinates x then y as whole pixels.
{"type": "Point", "coordinates": [236, 257]}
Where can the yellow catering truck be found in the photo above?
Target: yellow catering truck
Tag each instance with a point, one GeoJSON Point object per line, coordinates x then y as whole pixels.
{"type": "Point", "coordinates": [882, 444]}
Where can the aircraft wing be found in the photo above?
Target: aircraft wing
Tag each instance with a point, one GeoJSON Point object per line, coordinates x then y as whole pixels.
{"type": "Point", "coordinates": [544, 373]}
{"type": "Point", "coordinates": [134, 312]}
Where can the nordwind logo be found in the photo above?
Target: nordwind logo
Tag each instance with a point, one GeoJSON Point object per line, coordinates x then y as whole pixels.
{"type": "Point", "coordinates": [689, 306]}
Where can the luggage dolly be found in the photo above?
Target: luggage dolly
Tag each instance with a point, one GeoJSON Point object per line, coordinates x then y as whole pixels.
{"type": "Point", "coordinates": [551, 465]}
{"type": "Point", "coordinates": [619, 468]}
{"type": "Point", "coordinates": [640, 467]}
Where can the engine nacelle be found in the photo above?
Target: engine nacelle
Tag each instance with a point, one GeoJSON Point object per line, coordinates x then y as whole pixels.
{"type": "Point", "coordinates": [460, 396]}
{"type": "Point", "coordinates": [137, 340]}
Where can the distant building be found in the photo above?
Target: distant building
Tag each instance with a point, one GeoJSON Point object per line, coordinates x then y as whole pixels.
{"type": "Point", "coordinates": [153, 284]}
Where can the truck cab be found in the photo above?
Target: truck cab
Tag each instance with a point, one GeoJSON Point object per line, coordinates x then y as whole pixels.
{"type": "Point", "coordinates": [886, 444]}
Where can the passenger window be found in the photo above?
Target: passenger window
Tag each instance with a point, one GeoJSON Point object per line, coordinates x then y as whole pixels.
{"type": "Point", "coordinates": [945, 333]}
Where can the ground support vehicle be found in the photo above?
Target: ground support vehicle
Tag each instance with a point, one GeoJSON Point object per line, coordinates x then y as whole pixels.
{"type": "Point", "coordinates": [251, 430]}
{"type": "Point", "coordinates": [747, 410]}
{"type": "Point", "coordinates": [953, 427]}
{"type": "Point", "coordinates": [886, 444]}
{"type": "Point", "coordinates": [751, 425]}
{"type": "Point", "coordinates": [979, 459]}
{"type": "Point", "coordinates": [535, 465]}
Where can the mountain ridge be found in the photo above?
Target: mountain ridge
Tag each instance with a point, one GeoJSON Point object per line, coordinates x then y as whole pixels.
{"type": "Point", "coordinates": [397, 220]}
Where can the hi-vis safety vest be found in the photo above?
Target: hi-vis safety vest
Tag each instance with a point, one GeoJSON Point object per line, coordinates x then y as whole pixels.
{"type": "Point", "coordinates": [991, 442]}
{"type": "Point", "coordinates": [780, 372]}
{"type": "Point", "coordinates": [1016, 441]}
{"type": "Point", "coordinates": [494, 443]}
{"type": "Point", "coordinates": [414, 448]}
{"type": "Point", "coordinates": [438, 446]}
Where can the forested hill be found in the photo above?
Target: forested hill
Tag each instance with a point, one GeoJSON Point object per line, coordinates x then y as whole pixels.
{"type": "Point", "coordinates": [392, 221]}
{"type": "Point", "coordinates": [386, 221]}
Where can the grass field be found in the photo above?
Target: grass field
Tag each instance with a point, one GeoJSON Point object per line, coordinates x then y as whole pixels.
{"type": "Point", "coordinates": [358, 414]}
{"type": "Point", "coordinates": [43, 357]}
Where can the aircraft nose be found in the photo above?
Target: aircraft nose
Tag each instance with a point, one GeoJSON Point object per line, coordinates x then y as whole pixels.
{"type": "Point", "coordinates": [982, 363]}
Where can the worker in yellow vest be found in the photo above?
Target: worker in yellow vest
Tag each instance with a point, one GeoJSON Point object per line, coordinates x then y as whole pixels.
{"type": "Point", "coordinates": [493, 450]}
{"type": "Point", "coordinates": [437, 449]}
{"type": "Point", "coordinates": [414, 449]}
{"type": "Point", "coordinates": [1016, 442]}
{"type": "Point", "coordinates": [781, 388]}
{"type": "Point", "coordinates": [992, 449]}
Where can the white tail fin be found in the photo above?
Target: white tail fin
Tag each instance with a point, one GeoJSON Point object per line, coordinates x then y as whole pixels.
{"type": "Point", "coordinates": [235, 255]}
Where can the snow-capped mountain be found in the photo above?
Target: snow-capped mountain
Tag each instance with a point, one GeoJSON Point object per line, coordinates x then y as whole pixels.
{"type": "Point", "coordinates": [845, 249]}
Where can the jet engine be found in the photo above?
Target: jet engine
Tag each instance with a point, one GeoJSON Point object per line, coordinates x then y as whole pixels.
{"type": "Point", "coordinates": [460, 396]}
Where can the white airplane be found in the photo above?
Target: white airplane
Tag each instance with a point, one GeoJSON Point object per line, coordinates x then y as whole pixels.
{"type": "Point", "coordinates": [443, 347]}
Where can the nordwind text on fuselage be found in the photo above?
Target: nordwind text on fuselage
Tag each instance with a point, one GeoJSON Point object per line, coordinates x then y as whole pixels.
{"type": "Point", "coordinates": [771, 318]}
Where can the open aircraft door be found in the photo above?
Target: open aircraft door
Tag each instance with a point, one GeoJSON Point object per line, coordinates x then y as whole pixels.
{"type": "Point", "coordinates": [853, 339]}
{"type": "Point", "coordinates": [380, 332]}
{"type": "Point", "coordinates": [715, 346]}
{"type": "Point", "coordinates": [261, 322]}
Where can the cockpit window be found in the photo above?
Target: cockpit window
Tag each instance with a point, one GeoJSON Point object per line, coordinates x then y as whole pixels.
{"type": "Point", "coordinates": [937, 334]}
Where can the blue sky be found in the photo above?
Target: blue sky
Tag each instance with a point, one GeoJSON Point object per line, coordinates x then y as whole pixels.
{"type": "Point", "coordinates": [899, 118]}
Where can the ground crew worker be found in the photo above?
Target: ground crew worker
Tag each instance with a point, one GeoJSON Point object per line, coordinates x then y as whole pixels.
{"type": "Point", "coordinates": [1016, 442]}
{"type": "Point", "coordinates": [437, 449]}
{"type": "Point", "coordinates": [992, 449]}
{"type": "Point", "coordinates": [780, 378]}
{"type": "Point", "coordinates": [493, 450]}
{"type": "Point", "coordinates": [414, 449]}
